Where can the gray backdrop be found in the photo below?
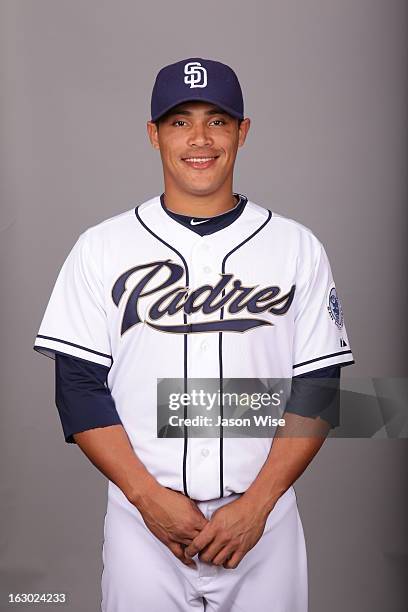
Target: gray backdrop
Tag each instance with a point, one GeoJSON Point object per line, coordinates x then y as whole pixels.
{"type": "Point", "coordinates": [325, 86]}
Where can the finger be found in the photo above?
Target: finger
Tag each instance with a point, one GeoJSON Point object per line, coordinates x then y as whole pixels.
{"type": "Point", "coordinates": [183, 541]}
{"type": "Point", "coordinates": [207, 554]}
{"type": "Point", "coordinates": [188, 536]}
{"type": "Point", "coordinates": [177, 551]}
{"type": "Point", "coordinates": [197, 530]}
{"type": "Point", "coordinates": [185, 536]}
{"type": "Point", "coordinates": [233, 562]}
{"type": "Point", "coordinates": [222, 556]}
{"type": "Point", "coordinates": [203, 539]}
{"type": "Point", "coordinates": [195, 546]}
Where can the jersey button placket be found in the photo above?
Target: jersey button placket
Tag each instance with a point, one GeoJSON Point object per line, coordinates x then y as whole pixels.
{"type": "Point", "coordinates": [203, 463]}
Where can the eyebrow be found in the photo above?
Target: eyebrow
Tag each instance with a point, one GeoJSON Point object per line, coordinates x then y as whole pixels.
{"type": "Point", "coordinates": [212, 111]}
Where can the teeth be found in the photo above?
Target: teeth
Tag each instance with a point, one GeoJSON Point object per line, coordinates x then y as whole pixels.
{"type": "Point", "coordinates": [199, 160]}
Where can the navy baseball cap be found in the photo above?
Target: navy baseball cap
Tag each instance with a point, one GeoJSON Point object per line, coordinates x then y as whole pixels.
{"type": "Point", "coordinates": [197, 79]}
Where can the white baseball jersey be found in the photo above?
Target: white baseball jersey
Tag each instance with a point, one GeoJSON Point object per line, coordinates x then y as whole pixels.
{"type": "Point", "coordinates": [147, 297]}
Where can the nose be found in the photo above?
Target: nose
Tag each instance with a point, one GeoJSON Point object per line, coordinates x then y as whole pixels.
{"type": "Point", "coordinates": [199, 136]}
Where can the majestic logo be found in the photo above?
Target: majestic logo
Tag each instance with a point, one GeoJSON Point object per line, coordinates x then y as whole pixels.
{"type": "Point", "coordinates": [196, 75]}
{"type": "Point", "coordinates": [228, 293]}
{"type": "Point", "coordinates": [334, 308]}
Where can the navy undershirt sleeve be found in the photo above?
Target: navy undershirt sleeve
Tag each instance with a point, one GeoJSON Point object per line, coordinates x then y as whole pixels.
{"type": "Point", "coordinates": [84, 401]}
{"type": "Point", "coordinates": [82, 396]}
{"type": "Point", "coordinates": [317, 394]}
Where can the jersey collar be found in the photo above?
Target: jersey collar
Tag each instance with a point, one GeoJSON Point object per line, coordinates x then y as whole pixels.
{"type": "Point", "coordinates": [165, 229]}
{"type": "Point", "coordinates": [207, 225]}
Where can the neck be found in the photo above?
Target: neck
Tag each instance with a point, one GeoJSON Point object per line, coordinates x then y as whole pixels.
{"type": "Point", "coordinates": [199, 205]}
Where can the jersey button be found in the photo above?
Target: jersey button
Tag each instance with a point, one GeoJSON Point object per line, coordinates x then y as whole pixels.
{"type": "Point", "coordinates": [207, 269]}
{"type": "Point", "coordinates": [205, 452]}
{"type": "Point", "coordinates": [204, 345]}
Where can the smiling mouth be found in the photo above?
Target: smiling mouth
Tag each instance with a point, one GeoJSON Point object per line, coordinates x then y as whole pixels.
{"type": "Point", "coordinates": [200, 162]}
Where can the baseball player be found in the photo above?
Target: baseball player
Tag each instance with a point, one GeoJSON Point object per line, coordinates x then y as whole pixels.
{"type": "Point", "coordinates": [198, 282]}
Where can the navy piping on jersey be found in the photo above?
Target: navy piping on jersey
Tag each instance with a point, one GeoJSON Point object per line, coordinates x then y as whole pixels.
{"type": "Point", "coordinates": [328, 371]}
{"type": "Point", "coordinates": [298, 365]}
{"type": "Point", "coordinates": [63, 354]}
{"type": "Point", "coordinates": [84, 348]}
{"type": "Point", "coordinates": [220, 350]}
{"type": "Point", "coordinates": [175, 217]}
{"type": "Point", "coordinates": [185, 344]}
{"type": "Point", "coordinates": [231, 218]}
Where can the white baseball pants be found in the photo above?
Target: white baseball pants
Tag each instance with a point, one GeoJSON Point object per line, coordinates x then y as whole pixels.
{"type": "Point", "coordinates": [140, 574]}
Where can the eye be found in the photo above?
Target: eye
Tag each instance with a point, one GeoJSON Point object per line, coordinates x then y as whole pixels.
{"type": "Point", "coordinates": [177, 122]}
{"type": "Point", "coordinates": [218, 121]}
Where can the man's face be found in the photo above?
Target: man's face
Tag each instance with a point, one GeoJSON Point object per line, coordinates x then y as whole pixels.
{"type": "Point", "coordinates": [198, 144]}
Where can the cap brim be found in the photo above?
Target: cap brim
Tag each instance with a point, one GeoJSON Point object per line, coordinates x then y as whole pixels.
{"type": "Point", "coordinates": [198, 98]}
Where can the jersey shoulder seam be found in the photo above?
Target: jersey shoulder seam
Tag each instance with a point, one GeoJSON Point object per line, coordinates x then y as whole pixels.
{"type": "Point", "coordinates": [258, 208]}
{"type": "Point", "coordinates": [277, 217]}
{"type": "Point", "coordinates": [102, 224]}
{"type": "Point", "coordinates": [118, 217]}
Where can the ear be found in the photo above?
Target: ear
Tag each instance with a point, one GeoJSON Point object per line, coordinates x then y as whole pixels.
{"type": "Point", "coordinates": [153, 133]}
{"type": "Point", "coordinates": [243, 130]}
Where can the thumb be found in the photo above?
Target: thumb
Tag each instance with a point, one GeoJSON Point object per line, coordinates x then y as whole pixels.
{"type": "Point", "coordinates": [178, 551]}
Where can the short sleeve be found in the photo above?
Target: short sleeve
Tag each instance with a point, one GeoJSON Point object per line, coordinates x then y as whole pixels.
{"type": "Point", "coordinates": [75, 321]}
{"type": "Point", "coordinates": [320, 336]}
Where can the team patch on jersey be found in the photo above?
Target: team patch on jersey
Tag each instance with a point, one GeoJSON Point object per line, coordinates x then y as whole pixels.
{"type": "Point", "coordinates": [334, 308]}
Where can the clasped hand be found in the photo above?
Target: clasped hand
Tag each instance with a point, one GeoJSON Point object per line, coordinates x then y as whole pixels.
{"type": "Point", "coordinates": [224, 540]}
